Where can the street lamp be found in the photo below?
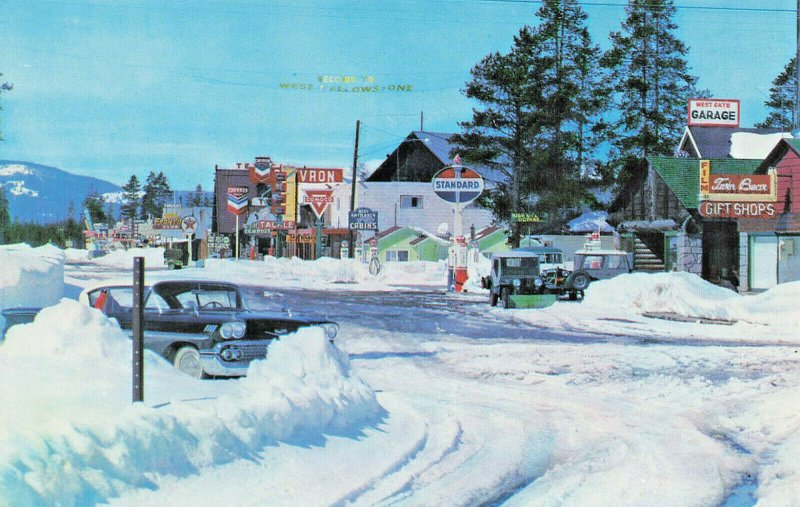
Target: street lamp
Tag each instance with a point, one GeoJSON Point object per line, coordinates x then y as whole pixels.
{"type": "Point", "coordinates": [397, 158]}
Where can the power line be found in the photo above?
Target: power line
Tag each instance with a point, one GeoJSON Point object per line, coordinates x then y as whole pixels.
{"type": "Point", "coordinates": [680, 7]}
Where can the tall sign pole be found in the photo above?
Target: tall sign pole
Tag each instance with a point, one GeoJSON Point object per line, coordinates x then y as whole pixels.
{"type": "Point", "coordinates": [353, 185]}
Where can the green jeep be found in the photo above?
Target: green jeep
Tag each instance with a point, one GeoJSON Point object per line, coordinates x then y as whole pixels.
{"type": "Point", "coordinates": [176, 258]}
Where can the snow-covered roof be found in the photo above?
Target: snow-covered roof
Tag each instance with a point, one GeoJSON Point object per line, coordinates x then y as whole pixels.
{"type": "Point", "coordinates": [751, 145]}
{"type": "Point", "coordinates": [590, 221]}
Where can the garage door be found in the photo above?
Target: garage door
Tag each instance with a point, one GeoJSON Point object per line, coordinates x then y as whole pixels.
{"type": "Point", "coordinates": [763, 262]}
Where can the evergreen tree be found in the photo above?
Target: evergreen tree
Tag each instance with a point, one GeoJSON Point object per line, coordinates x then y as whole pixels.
{"type": "Point", "coordinates": [651, 81]}
{"type": "Point", "coordinates": [781, 103]}
{"type": "Point", "coordinates": [131, 193]}
{"type": "Point", "coordinates": [93, 203]}
{"type": "Point", "coordinates": [5, 217]}
{"type": "Point", "coordinates": [539, 120]}
{"type": "Point", "coordinates": [156, 193]}
{"type": "Point", "coordinates": [197, 198]}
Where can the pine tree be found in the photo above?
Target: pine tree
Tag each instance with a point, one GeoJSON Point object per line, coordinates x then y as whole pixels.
{"type": "Point", "coordinates": [156, 193]}
{"type": "Point", "coordinates": [540, 116]}
{"type": "Point", "coordinates": [5, 217]}
{"type": "Point", "coordinates": [131, 193]}
{"type": "Point", "coordinates": [651, 79]}
{"type": "Point", "coordinates": [197, 198]}
{"type": "Point", "coordinates": [781, 103]}
{"type": "Point", "coordinates": [93, 203]}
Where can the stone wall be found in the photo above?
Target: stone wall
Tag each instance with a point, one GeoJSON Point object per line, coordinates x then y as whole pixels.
{"type": "Point", "coordinates": [690, 253]}
{"type": "Point", "coordinates": [744, 262]}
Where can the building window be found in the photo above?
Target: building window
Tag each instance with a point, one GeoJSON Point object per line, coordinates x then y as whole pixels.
{"type": "Point", "coordinates": [397, 255]}
{"type": "Point", "coordinates": [410, 201]}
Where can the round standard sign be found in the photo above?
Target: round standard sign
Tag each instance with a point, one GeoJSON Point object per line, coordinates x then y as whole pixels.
{"type": "Point", "coordinates": [457, 184]}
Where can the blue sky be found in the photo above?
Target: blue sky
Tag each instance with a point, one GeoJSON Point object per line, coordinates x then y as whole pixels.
{"type": "Point", "coordinates": [120, 87]}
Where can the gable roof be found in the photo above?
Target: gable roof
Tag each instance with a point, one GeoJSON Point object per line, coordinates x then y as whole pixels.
{"type": "Point", "coordinates": [715, 142]}
{"type": "Point", "coordinates": [437, 144]}
{"type": "Point", "coordinates": [778, 152]}
{"type": "Point", "coordinates": [682, 175]}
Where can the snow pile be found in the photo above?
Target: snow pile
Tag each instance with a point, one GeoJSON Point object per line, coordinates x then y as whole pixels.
{"type": "Point", "coordinates": [682, 293]}
{"type": "Point", "coordinates": [775, 307]}
{"type": "Point", "coordinates": [30, 276]}
{"type": "Point", "coordinates": [74, 438]}
{"type": "Point", "coordinates": [328, 272]}
{"type": "Point", "coordinates": [76, 255]}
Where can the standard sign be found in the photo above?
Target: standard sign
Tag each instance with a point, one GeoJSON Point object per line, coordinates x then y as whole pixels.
{"type": "Point", "coordinates": [713, 113]}
{"type": "Point", "coordinates": [457, 184]}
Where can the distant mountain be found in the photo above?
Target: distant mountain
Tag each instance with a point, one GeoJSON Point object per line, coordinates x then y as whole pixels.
{"type": "Point", "coordinates": [42, 194]}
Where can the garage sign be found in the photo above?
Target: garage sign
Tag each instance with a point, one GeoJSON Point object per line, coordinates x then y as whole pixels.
{"type": "Point", "coordinates": [457, 184]}
{"type": "Point", "coordinates": [713, 113]}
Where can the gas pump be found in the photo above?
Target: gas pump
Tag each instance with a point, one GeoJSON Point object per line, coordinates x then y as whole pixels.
{"type": "Point", "coordinates": [460, 263]}
{"type": "Point", "coordinates": [344, 249]}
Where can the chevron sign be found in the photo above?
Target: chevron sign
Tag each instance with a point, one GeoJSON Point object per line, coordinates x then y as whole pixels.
{"type": "Point", "coordinates": [237, 200]}
{"type": "Point", "coordinates": [259, 172]}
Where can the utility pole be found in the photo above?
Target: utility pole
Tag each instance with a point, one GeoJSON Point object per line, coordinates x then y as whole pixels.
{"type": "Point", "coordinates": [422, 116]}
{"type": "Point", "coordinates": [797, 71]}
{"type": "Point", "coordinates": [352, 245]}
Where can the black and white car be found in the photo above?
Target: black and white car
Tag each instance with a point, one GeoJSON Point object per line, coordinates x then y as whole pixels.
{"type": "Point", "coordinates": [203, 327]}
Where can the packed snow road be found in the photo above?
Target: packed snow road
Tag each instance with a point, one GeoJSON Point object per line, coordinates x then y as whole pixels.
{"type": "Point", "coordinates": [574, 405]}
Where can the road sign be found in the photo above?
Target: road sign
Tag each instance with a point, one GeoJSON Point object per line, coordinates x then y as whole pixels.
{"type": "Point", "coordinates": [457, 184]}
{"type": "Point", "coordinates": [318, 199]}
{"type": "Point", "coordinates": [363, 219]}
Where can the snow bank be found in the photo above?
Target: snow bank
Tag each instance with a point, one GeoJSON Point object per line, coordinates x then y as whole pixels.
{"type": "Point", "coordinates": [74, 438]}
{"type": "Point", "coordinates": [347, 274]}
{"type": "Point", "coordinates": [682, 293]}
{"type": "Point", "coordinates": [689, 295]}
{"type": "Point", "coordinates": [30, 276]}
{"type": "Point", "coordinates": [76, 255]}
{"type": "Point", "coordinates": [153, 258]}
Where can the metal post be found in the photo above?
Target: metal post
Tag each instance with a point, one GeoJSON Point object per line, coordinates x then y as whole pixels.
{"type": "Point", "coordinates": [796, 123]}
{"type": "Point", "coordinates": [319, 238]}
{"type": "Point", "coordinates": [138, 329]}
{"type": "Point", "coordinates": [237, 238]}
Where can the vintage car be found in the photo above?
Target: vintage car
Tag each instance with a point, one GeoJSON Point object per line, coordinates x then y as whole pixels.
{"type": "Point", "coordinates": [203, 327]}
{"type": "Point", "coordinates": [603, 264]}
{"type": "Point", "coordinates": [516, 281]}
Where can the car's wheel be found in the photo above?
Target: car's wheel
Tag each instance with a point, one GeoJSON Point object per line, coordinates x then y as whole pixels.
{"type": "Point", "coordinates": [492, 299]}
{"type": "Point", "coordinates": [504, 297]}
{"type": "Point", "coordinates": [187, 360]}
{"type": "Point", "coordinates": [573, 295]}
{"type": "Point", "coordinates": [578, 281]}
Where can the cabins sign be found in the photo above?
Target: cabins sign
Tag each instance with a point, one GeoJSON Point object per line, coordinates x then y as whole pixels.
{"type": "Point", "coordinates": [363, 219]}
{"type": "Point", "coordinates": [713, 113]}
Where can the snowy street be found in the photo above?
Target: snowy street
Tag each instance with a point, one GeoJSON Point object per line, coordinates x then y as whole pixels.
{"type": "Point", "coordinates": [575, 404]}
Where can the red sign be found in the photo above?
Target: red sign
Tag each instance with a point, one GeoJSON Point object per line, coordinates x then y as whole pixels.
{"type": "Point", "coordinates": [719, 209]}
{"type": "Point", "coordinates": [237, 200]}
{"type": "Point", "coordinates": [266, 226]}
{"type": "Point", "coordinates": [318, 199]}
{"type": "Point", "coordinates": [319, 175]}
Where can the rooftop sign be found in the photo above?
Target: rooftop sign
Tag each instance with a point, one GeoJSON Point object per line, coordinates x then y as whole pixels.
{"type": "Point", "coordinates": [713, 113]}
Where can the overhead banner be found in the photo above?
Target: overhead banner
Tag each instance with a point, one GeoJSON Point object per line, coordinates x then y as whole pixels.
{"type": "Point", "coordinates": [237, 200]}
{"type": "Point", "coordinates": [713, 113]}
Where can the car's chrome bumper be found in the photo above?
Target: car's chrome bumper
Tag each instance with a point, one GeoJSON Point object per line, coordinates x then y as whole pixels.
{"type": "Point", "coordinates": [214, 364]}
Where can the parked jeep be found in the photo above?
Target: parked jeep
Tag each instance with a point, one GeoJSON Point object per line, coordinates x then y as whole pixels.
{"type": "Point", "coordinates": [516, 280]}
{"type": "Point", "coordinates": [603, 264]}
{"type": "Point", "coordinates": [175, 257]}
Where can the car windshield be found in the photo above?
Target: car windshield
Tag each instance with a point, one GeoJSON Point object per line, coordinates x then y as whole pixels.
{"type": "Point", "coordinates": [183, 295]}
{"type": "Point", "coordinates": [520, 266]}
